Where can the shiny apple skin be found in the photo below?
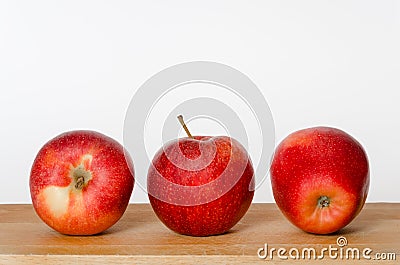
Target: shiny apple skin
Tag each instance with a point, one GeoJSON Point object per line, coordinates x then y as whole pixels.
{"type": "Point", "coordinates": [104, 198]}
{"type": "Point", "coordinates": [201, 204]}
{"type": "Point", "coordinates": [316, 162]}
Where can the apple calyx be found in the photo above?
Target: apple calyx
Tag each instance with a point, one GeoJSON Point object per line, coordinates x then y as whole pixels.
{"type": "Point", "coordinates": [180, 118]}
{"type": "Point", "coordinates": [323, 201]}
{"type": "Point", "coordinates": [80, 175]}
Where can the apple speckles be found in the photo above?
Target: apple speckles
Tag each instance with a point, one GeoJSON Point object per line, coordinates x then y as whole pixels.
{"type": "Point", "coordinates": [81, 182]}
{"type": "Point", "coordinates": [206, 201]}
{"type": "Point", "coordinates": [317, 162]}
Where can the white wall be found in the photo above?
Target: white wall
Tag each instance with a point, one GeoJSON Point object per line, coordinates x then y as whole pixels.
{"type": "Point", "coordinates": [75, 64]}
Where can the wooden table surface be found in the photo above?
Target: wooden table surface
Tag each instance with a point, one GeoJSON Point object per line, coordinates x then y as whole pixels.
{"type": "Point", "coordinates": [140, 238]}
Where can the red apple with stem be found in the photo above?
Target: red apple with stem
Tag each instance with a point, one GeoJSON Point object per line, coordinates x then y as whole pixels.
{"type": "Point", "coordinates": [81, 182]}
{"type": "Point", "coordinates": [320, 179]}
{"type": "Point", "coordinates": [201, 185]}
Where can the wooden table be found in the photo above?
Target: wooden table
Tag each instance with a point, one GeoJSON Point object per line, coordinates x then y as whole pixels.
{"type": "Point", "coordinates": [140, 238]}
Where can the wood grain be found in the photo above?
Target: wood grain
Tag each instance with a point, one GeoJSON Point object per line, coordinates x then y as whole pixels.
{"type": "Point", "coordinates": [139, 238]}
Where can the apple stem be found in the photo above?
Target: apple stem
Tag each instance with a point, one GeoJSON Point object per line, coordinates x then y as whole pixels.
{"type": "Point", "coordinates": [180, 118]}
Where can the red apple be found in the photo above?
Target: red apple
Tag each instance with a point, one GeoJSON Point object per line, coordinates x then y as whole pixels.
{"type": "Point", "coordinates": [81, 182]}
{"type": "Point", "coordinates": [201, 185]}
{"type": "Point", "coordinates": [320, 179]}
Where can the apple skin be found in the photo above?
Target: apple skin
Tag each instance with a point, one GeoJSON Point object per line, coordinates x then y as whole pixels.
{"type": "Point", "coordinates": [316, 162]}
{"type": "Point", "coordinates": [81, 182]}
{"type": "Point", "coordinates": [201, 186]}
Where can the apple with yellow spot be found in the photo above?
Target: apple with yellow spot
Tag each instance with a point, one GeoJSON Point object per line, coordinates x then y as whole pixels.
{"type": "Point", "coordinates": [81, 182]}
{"type": "Point", "coordinates": [320, 179]}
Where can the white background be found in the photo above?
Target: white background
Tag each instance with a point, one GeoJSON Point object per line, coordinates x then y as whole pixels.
{"type": "Point", "coordinates": [68, 65]}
